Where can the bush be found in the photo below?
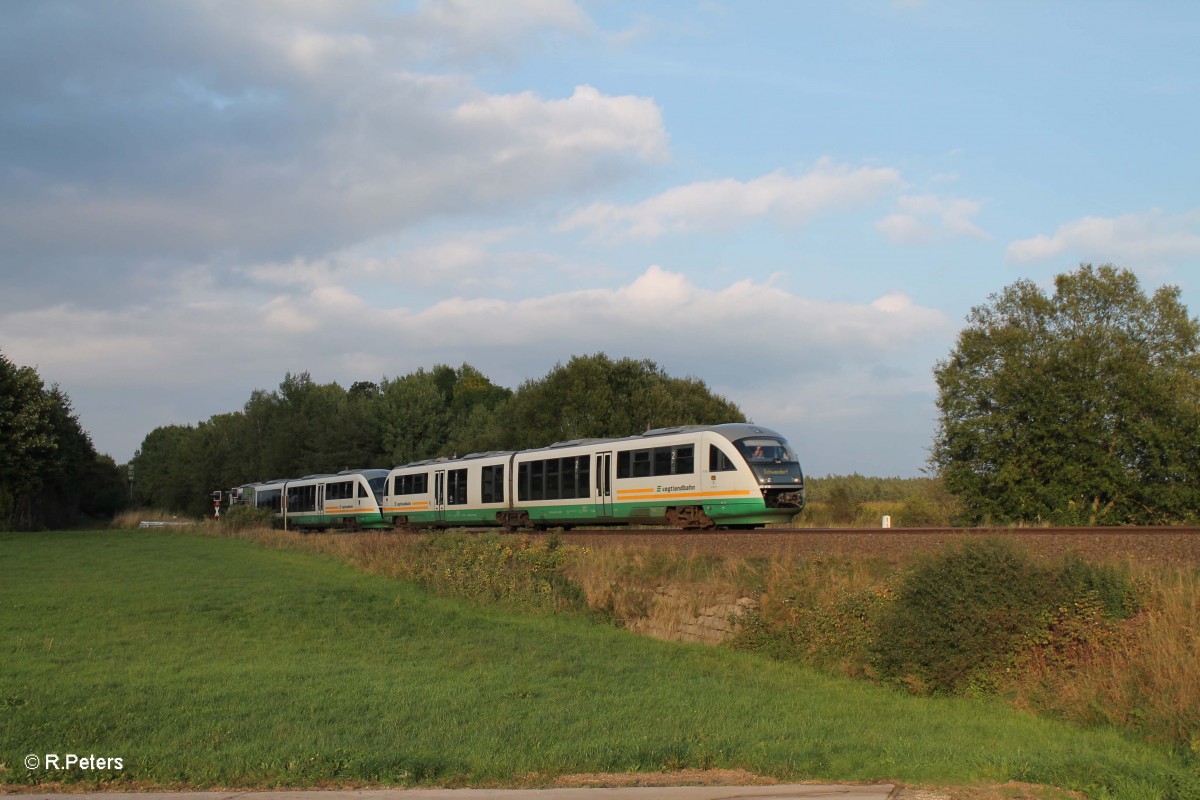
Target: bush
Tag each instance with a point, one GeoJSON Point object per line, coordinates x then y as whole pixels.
{"type": "Point", "coordinates": [920, 511]}
{"type": "Point", "coordinates": [843, 505]}
{"type": "Point", "coordinates": [958, 611]}
{"type": "Point", "coordinates": [242, 517]}
{"type": "Point", "coordinates": [1108, 584]}
{"type": "Point", "coordinates": [962, 616]}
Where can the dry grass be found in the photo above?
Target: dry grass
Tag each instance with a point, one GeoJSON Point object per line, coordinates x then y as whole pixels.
{"type": "Point", "coordinates": [1141, 676]}
{"type": "Point", "coordinates": [131, 518]}
{"type": "Point", "coordinates": [1146, 678]}
{"type": "Point", "coordinates": [624, 582]}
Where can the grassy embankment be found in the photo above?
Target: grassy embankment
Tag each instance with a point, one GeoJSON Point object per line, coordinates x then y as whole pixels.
{"type": "Point", "coordinates": [1110, 637]}
{"type": "Point", "coordinates": [212, 662]}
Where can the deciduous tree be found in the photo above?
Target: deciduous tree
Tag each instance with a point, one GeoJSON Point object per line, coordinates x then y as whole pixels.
{"type": "Point", "coordinates": [49, 470]}
{"type": "Point", "coordinates": [1078, 408]}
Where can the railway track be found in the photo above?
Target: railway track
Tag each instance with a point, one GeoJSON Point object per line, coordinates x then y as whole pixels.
{"type": "Point", "coordinates": [1178, 546]}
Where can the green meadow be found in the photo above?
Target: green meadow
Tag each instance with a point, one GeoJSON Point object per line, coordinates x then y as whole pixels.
{"type": "Point", "coordinates": [213, 662]}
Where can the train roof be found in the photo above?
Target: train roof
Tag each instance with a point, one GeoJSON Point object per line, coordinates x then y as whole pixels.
{"type": "Point", "coordinates": [730, 430]}
{"type": "Point", "coordinates": [742, 430]}
{"type": "Point", "coordinates": [346, 473]}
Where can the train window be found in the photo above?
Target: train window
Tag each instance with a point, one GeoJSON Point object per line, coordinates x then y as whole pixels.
{"type": "Point", "coordinates": [566, 476]}
{"type": "Point", "coordinates": [522, 481]}
{"type": "Point", "coordinates": [765, 450]}
{"type": "Point", "coordinates": [718, 461]}
{"type": "Point", "coordinates": [676, 460]}
{"type": "Point", "coordinates": [456, 487]}
{"type": "Point", "coordinates": [301, 498]}
{"type": "Point", "coordinates": [411, 484]}
{"type": "Point", "coordinates": [491, 485]}
{"type": "Point", "coordinates": [553, 487]}
{"type": "Point", "coordinates": [340, 490]}
{"type": "Point", "coordinates": [268, 499]}
{"type": "Point", "coordinates": [537, 485]}
{"type": "Point", "coordinates": [684, 460]}
{"type": "Point", "coordinates": [376, 485]}
{"type": "Point", "coordinates": [576, 472]}
{"type": "Point", "coordinates": [567, 471]}
{"type": "Point", "coordinates": [583, 477]}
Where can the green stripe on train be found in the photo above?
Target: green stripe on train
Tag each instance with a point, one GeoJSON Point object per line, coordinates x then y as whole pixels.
{"type": "Point", "coordinates": [750, 511]}
{"type": "Point", "coordinates": [338, 520]}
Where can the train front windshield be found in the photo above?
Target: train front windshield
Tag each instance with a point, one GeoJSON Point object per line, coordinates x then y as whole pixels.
{"type": "Point", "coordinates": [772, 460]}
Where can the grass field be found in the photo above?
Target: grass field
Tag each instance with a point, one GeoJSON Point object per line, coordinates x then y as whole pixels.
{"type": "Point", "coordinates": [209, 662]}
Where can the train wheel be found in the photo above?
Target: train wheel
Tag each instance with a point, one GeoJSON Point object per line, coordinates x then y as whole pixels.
{"type": "Point", "coordinates": [691, 518]}
{"type": "Point", "coordinates": [512, 520]}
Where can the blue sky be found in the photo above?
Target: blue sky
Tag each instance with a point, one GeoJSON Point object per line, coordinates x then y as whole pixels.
{"type": "Point", "coordinates": [797, 202]}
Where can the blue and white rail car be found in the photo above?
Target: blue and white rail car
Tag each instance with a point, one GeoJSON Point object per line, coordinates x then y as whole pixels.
{"type": "Point", "coordinates": [470, 491]}
{"type": "Point", "coordinates": [696, 477]}
{"type": "Point", "coordinates": [349, 499]}
{"type": "Point", "coordinates": [258, 495]}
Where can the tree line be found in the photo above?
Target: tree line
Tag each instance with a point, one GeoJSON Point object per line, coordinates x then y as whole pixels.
{"type": "Point", "coordinates": [1080, 407]}
{"type": "Point", "coordinates": [305, 427]}
{"type": "Point", "coordinates": [50, 474]}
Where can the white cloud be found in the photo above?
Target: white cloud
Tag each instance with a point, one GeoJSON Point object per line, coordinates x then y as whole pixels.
{"type": "Point", "coordinates": [926, 218]}
{"type": "Point", "coordinates": [585, 123]}
{"type": "Point", "coordinates": [466, 30]}
{"type": "Point", "coordinates": [281, 132]}
{"type": "Point", "coordinates": [1147, 239]}
{"type": "Point", "coordinates": [467, 262]}
{"type": "Point", "coordinates": [788, 200]}
{"type": "Point", "coordinates": [745, 337]}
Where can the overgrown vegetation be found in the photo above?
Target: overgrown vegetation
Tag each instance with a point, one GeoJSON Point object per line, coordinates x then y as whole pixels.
{"type": "Point", "coordinates": [961, 617]}
{"type": "Point", "coordinates": [510, 570]}
{"type": "Point", "coordinates": [305, 428]}
{"type": "Point", "coordinates": [1094, 643]}
{"type": "Point", "coordinates": [50, 474]}
{"type": "Point", "coordinates": [862, 502]}
{"type": "Point", "coordinates": [227, 665]}
{"type": "Point", "coordinates": [1091, 642]}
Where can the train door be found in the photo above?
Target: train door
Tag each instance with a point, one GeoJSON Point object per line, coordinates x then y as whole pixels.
{"type": "Point", "coordinates": [604, 498]}
{"type": "Point", "coordinates": [320, 507]}
{"type": "Point", "coordinates": [439, 495]}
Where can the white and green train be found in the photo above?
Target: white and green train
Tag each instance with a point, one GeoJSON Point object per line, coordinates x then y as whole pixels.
{"type": "Point", "coordinates": [695, 477]}
{"type": "Point", "coordinates": [349, 499]}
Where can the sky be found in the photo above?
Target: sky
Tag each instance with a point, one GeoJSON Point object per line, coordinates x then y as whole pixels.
{"type": "Point", "coordinates": [798, 203]}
